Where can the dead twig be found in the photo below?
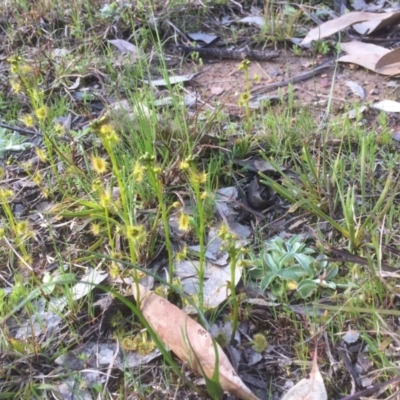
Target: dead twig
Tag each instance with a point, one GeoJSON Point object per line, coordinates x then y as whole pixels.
{"type": "Point", "coordinates": [18, 129]}
{"type": "Point", "coordinates": [223, 54]}
{"type": "Point", "coordinates": [295, 79]}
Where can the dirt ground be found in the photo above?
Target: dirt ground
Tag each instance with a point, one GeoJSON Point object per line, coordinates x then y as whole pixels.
{"type": "Point", "coordinates": [222, 81]}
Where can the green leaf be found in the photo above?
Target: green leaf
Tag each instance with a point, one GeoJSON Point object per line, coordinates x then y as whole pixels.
{"type": "Point", "coordinates": [294, 273]}
{"type": "Point", "coordinates": [305, 261]}
{"type": "Point", "coordinates": [306, 288]}
{"type": "Point", "coordinates": [271, 263]}
{"type": "Point", "coordinates": [331, 272]}
{"type": "Point", "coordinates": [286, 259]}
{"type": "Point", "coordinates": [330, 285]}
{"type": "Point", "coordinates": [267, 280]}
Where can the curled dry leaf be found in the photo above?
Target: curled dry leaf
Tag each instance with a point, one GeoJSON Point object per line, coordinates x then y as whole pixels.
{"type": "Point", "coordinates": [372, 57]}
{"type": "Point", "coordinates": [312, 388]}
{"type": "Point", "coordinates": [365, 22]}
{"type": "Point", "coordinates": [189, 341]}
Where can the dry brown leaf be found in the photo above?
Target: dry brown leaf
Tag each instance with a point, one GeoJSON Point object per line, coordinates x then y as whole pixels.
{"type": "Point", "coordinates": [336, 25]}
{"type": "Point", "coordinates": [189, 341]}
{"type": "Point", "coordinates": [366, 28]}
{"type": "Point", "coordinates": [368, 56]}
{"type": "Point", "coordinates": [389, 64]}
{"type": "Point", "coordinates": [361, 48]}
{"type": "Point", "coordinates": [312, 388]}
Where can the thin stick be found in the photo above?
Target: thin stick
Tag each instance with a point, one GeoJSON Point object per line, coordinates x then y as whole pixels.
{"type": "Point", "coordinates": [19, 130]}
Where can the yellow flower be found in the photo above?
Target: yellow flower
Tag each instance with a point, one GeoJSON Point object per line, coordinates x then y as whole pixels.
{"type": "Point", "coordinates": [106, 129]}
{"type": "Point", "coordinates": [41, 154]}
{"type": "Point", "coordinates": [28, 120]}
{"type": "Point", "coordinates": [136, 233]}
{"type": "Point", "coordinates": [157, 170]}
{"type": "Point", "coordinates": [37, 178]}
{"type": "Point", "coordinates": [41, 113]}
{"type": "Point", "coordinates": [26, 69]}
{"type": "Point", "coordinates": [15, 86]}
{"type": "Point", "coordinates": [14, 59]}
{"type": "Point", "coordinates": [244, 99]}
{"type": "Point", "coordinates": [291, 285]}
{"type": "Point", "coordinates": [37, 96]}
{"type": "Point", "coordinates": [257, 78]}
{"type": "Point", "coordinates": [59, 129]}
{"type": "Point", "coordinates": [95, 229]}
{"type": "Point", "coordinates": [99, 164]}
{"type": "Point", "coordinates": [21, 228]}
{"type": "Point", "coordinates": [45, 193]}
{"type": "Point", "coordinates": [183, 222]}
{"type": "Point", "coordinates": [204, 195]}
{"type": "Point", "coordinates": [105, 199]}
{"type": "Point", "coordinates": [96, 185]}
{"type": "Point", "coordinates": [138, 171]}
{"type": "Point", "coordinates": [244, 65]}
{"type": "Point", "coordinates": [198, 177]}
{"type": "Point", "coordinates": [114, 270]}
{"type": "Point", "coordinates": [6, 194]}
{"type": "Point", "coordinates": [112, 138]}
{"type": "Point", "coordinates": [182, 254]}
{"type": "Point", "coordinates": [184, 165]}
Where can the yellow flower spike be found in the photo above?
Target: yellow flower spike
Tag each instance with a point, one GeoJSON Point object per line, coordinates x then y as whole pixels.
{"type": "Point", "coordinates": [138, 171]}
{"type": "Point", "coordinates": [28, 120]}
{"type": "Point", "coordinates": [14, 59]}
{"type": "Point", "coordinates": [45, 193]}
{"type": "Point", "coordinates": [114, 270]}
{"type": "Point", "coordinates": [37, 97]}
{"type": "Point", "coordinates": [183, 222]}
{"type": "Point", "coordinates": [244, 98]}
{"type": "Point", "coordinates": [157, 170]}
{"type": "Point", "coordinates": [198, 177]}
{"type": "Point", "coordinates": [59, 129]}
{"type": "Point", "coordinates": [182, 255]}
{"type": "Point", "coordinates": [6, 194]}
{"type": "Point", "coordinates": [37, 178]}
{"type": "Point", "coordinates": [136, 233]}
{"type": "Point", "coordinates": [95, 229]}
{"type": "Point", "coordinates": [99, 165]}
{"type": "Point", "coordinates": [176, 204]}
{"type": "Point", "coordinates": [244, 65]}
{"type": "Point", "coordinates": [112, 138]}
{"type": "Point", "coordinates": [16, 87]}
{"type": "Point", "coordinates": [21, 228]}
{"type": "Point", "coordinates": [105, 199]}
{"type": "Point", "coordinates": [26, 69]}
{"type": "Point", "coordinates": [204, 195]}
{"type": "Point", "coordinates": [105, 129]}
{"type": "Point", "coordinates": [41, 154]}
{"type": "Point", "coordinates": [41, 113]}
{"type": "Point", "coordinates": [184, 165]}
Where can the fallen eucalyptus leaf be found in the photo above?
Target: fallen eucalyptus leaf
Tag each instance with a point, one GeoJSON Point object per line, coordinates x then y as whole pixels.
{"type": "Point", "coordinates": [387, 106]}
{"type": "Point", "coordinates": [312, 388]}
{"type": "Point", "coordinates": [377, 21]}
{"type": "Point", "coordinates": [189, 341]}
